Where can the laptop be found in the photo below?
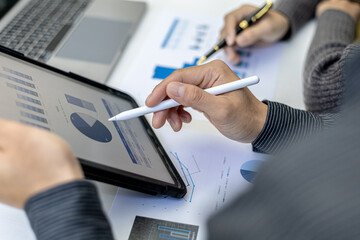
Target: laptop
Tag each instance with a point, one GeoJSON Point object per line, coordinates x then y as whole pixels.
{"type": "Point", "coordinates": [85, 37]}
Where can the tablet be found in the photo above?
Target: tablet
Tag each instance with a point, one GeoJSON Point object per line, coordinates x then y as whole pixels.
{"type": "Point", "coordinates": [123, 153]}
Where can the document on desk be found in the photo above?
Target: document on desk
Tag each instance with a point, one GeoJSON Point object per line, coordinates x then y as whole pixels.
{"type": "Point", "coordinates": [179, 40]}
{"type": "Point", "coordinates": [14, 224]}
{"type": "Point", "coordinates": [214, 168]}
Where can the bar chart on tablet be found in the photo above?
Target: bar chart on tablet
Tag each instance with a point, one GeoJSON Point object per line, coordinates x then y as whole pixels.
{"type": "Point", "coordinates": [28, 103]}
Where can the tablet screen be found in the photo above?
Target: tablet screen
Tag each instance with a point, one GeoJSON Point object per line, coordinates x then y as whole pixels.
{"type": "Point", "coordinates": [79, 113]}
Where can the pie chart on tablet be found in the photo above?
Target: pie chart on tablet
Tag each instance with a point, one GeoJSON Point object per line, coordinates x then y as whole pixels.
{"type": "Point", "coordinates": [91, 127]}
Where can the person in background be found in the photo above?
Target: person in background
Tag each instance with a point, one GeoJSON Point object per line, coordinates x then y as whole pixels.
{"type": "Point", "coordinates": [336, 30]}
{"type": "Point", "coordinates": [269, 126]}
{"type": "Point", "coordinates": [309, 191]}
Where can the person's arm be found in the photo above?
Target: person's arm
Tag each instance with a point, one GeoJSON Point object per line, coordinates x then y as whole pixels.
{"type": "Point", "coordinates": [298, 12]}
{"type": "Point", "coordinates": [281, 22]}
{"type": "Point", "coordinates": [69, 211]}
{"type": "Point", "coordinates": [238, 115]}
{"type": "Point", "coordinates": [287, 126]}
{"type": "Point", "coordinates": [309, 192]}
{"type": "Point", "coordinates": [336, 29]}
{"type": "Point", "coordinates": [38, 171]}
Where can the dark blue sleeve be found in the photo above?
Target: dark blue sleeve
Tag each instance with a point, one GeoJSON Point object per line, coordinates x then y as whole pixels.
{"type": "Point", "coordinates": [69, 211]}
{"type": "Point", "coordinates": [286, 126]}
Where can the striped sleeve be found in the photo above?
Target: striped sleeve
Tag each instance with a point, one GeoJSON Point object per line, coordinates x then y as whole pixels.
{"type": "Point", "coordinates": [69, 211]}
{"type": "Point", "coordinates": [286, 126]}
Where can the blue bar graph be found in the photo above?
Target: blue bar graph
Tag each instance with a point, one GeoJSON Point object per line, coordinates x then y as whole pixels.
{"type": "Point", "coordinates": [33, 117]}
{"type": "Point", "coordinates": [80, 103]}
{"type": "Point", "coordinates": [244, 54]}
{"type": "Point", "coordinates": [170, 33]}
{"type": "Point", "coordinates": [174, 233]}
{"type": "Point", "coordinates": [17, 80]}
{"type": "Point", "coordinates": [162, 72]}
{"type": "Point", "coordinates": [19, 74]}
{"type": "Point", "coordinates": [29, 107]}
{"type": "Point", "coordinates": [21, 89]}
{"type": "Point", "coordinates": [28, 99]}
{"type": "Point", "coordinates": [150, 228]}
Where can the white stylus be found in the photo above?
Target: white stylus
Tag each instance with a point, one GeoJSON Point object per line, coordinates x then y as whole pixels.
{"type": "Point", "coordinates": [227, 87]}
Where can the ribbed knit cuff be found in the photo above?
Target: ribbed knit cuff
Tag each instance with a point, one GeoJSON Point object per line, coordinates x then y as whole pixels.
{"type": "Point", "coordinates": [335, 26]}
{"type": "Point", "coordinates": [298, 12]}
{"type": "Point", "coordinates": [69, 211]}
{"type": "Point", "coordinates": [323, 81]}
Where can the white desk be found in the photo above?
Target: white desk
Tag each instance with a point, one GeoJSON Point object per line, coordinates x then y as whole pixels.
{"type": "Point", "coordinates": [289, 88]}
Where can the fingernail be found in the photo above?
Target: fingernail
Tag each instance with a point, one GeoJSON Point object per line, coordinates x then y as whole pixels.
{"type": "Point", "coordinates": [175, 89]}
{"type": "Point", "coordinates": [185, 118]}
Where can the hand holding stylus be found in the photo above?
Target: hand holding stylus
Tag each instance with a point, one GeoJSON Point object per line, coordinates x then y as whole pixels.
{"type": "Point", "coordinates": [238, 115]}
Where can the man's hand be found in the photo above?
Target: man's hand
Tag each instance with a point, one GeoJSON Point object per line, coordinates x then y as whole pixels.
{"type": "Point", "coordinates": [271, 28]}
{"type": "Point", "coordinates": [351, 8]}
{"type": "Point", "coordinates": [31, 161]}
{"type": "Point", "coordinates": [238, 115]}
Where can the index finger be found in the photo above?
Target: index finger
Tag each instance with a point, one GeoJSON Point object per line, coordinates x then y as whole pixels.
{"type": "Point", "coordinates": [204, 76]}
{"type": "Point", "coordinates": [193, 75]}
{"type": "Point", "coordinates": [231, 21]}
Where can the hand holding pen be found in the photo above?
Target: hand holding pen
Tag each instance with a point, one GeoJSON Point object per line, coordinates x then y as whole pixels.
{"type": "Point", "coordinates": [269, 28]}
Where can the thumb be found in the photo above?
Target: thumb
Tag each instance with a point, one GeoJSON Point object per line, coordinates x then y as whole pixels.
{"type": "Point", "coordinates": [193, 96]}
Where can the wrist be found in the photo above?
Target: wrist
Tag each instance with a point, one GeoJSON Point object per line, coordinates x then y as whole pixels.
{"type": "Point", "coordinates": [65, 177]}
{"type": "Point", "coordinates": [284, 23]}
{"type": "Point", "coordinates": [259, 120]}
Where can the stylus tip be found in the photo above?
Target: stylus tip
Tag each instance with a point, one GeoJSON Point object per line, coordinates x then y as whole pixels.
{"type": "Point", "coordinates": [112, 119]}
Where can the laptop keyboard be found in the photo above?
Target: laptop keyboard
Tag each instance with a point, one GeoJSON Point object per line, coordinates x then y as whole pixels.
{"type": "Point", "coordinates": [39, 27]}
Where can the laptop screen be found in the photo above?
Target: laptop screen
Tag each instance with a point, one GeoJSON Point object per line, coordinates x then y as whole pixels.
{"type": "Point", "coordinates": [5, 6]}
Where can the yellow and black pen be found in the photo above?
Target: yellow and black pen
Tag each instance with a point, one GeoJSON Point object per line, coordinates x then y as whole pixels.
{"type": "Point", "coordinates": [252, 19]}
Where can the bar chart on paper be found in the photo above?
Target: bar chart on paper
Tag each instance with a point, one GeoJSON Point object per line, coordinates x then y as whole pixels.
{"type": "Point", "coordinates": [180, 40]}
{"type": "Point", "coordinates": [192, 37]}
{"type": "Point", "coordinates": [149, 228]}
{"type": "Point", "coordinates": [161, 72]}
{"type": "Point", "coordinates": [186, 35]}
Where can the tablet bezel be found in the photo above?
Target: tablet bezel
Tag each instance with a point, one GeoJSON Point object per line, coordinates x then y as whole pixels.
{"type": "Point", "coordinates": [107, 174]}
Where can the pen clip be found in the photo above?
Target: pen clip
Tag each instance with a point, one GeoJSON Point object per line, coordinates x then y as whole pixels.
{"type": "Point", "coordinates": [262, 11]}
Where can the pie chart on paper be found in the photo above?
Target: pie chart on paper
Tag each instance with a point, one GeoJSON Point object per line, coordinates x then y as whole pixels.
{"type": "Point", "coordinates": [91, 127]}
{"type": "Point", "coordinates": [249, 169]}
